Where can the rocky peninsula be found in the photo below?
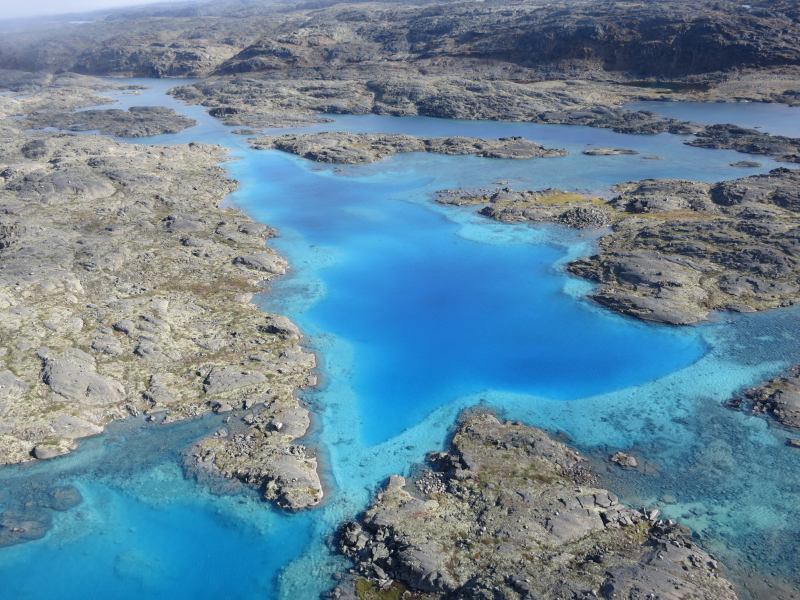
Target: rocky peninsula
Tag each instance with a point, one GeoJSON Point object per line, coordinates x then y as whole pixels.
{"type": "Point", "coordinates": [748, 141]}
{"type": "Point", "coordinates": [676, 250]}
{"type": "Point", "coordinates": [126, 290]}
{"type": "Point", "coordinates": [354, 148]}
{"type": "Point", "coordinates": [543, 206]}
{"type": "Point", "coordinates": [509, 512]}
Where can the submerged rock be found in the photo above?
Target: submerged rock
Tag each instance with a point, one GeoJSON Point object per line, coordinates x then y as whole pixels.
{"type": "Point", "coordinates": [778, 398]}
{"type": "Point", "coordinates": [626, 461]}
{"type": "Point", "coordinates": [508, 512]}
{"type": "Point", "coordinates": [23, 525]}
{"type": "Point", "coordinates": [27, 514]}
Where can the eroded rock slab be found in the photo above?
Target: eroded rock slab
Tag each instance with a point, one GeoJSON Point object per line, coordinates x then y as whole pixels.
{"type": "Point", "coordinates": [508, 512]}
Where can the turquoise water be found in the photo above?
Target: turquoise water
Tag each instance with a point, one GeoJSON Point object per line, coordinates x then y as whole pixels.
{"type": "Point", "coordinates": [416, 312]}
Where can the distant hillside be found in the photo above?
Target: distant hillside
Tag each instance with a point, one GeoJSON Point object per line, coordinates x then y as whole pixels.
{"type": "Point", "coordinates": [672, 38]}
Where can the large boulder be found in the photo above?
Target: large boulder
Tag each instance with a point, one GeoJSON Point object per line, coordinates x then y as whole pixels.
{"type": "Point", "coordinates": [74, 377]}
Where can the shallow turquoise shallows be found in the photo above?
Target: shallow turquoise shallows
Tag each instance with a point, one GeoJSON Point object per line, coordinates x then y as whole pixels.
{"type": "Point", "coordinates": [418, 311]}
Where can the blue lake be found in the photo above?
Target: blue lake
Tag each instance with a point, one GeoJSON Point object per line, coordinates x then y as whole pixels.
{"type": "Point", "coordinates": [417, 311]}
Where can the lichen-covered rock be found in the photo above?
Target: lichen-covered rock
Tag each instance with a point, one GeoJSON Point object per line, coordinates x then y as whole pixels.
{"type": "Point", "coordinates": [555, 206]}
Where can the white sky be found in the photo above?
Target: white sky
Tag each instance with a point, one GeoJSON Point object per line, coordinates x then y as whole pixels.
{"type": "Point", "coordinates": [12, 9]}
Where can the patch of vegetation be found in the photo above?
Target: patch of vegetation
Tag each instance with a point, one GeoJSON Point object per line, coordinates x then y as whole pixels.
{"type": "Point", "coordinates": [367, 590]}
{"type": "Point", "coordinates": [683, 214]}
{"type": "Point", "coordinates": [556, 198]}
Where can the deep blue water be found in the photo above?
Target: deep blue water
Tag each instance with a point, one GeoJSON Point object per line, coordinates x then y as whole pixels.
{"type": "Point", "coordinates": [417, 311]}
{"type": "Point", "coordinates": [432, 315]}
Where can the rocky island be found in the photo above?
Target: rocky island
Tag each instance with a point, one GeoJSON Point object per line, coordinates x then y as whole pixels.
{"type": "Point", "coordinates": [778, 398]}
{"type": "Point", "coordinates": [509, 512]}
{"type": "Point", "coordinates": [352, 148]}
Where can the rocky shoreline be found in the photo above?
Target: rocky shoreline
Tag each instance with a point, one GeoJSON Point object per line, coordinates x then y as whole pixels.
{"type": "Point", "coordinates": [509, 512]}
{"type": "Point", "coordinates": [127, 290]}
{"type": "Point", "coordinates": [748, 141]}
{"type": "Point", "coordinates": [356, 148]}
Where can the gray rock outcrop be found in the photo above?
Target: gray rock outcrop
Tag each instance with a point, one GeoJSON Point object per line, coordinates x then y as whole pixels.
{"type": "Point", "coordinates": [508, 512]}
{"type": "Point", "coordinates": [125, 289]}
